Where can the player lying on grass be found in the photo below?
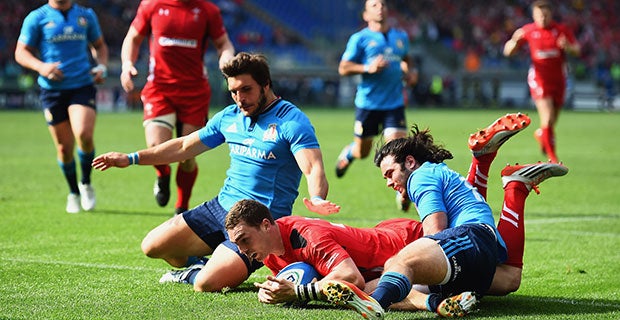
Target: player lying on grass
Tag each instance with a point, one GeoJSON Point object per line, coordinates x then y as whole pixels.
{"type": "Point", "coordinates": [298, 239]}
{"type": "Point", "coordinates": [462, 253]}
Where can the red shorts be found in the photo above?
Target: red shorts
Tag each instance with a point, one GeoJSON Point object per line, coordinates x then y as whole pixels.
{"type": "Point", "coordinates": [191, 105]}
{"type": "Point", "coordinates": [542, 87]}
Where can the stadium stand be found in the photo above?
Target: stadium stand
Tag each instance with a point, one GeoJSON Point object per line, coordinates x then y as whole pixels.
{"type": "Point", "coordinates": [305, 38]}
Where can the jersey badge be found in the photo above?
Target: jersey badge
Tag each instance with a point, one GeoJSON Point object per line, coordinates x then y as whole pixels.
{"type": "Point", "coordinates": [82, 22]}
{"type": "Point", "coordinates": [271, 133]}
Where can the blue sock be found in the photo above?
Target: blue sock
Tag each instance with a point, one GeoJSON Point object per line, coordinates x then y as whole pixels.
{"type": "Point", "coordinates": [432, 302]}
{"type": "Point", "coordinates": [392, 287]}
{"type": "Point", "coordinates": [68, 170]}
{"type": "Point", "coordinates": [350, 153]}
{"type": "Point", "coordinates": [86, 162]}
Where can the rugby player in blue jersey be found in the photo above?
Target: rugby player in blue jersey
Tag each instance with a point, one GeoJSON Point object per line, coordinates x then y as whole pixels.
{"type": "Point", "coordinates": [379, 53]}
{"type": "Point", "coordinates": [56, 41]}
{"type": "Point", "coordinates": [271, 142]}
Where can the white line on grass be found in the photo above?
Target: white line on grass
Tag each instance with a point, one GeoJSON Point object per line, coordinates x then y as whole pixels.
{"type": "Point", "coordinates": [81, 264]}
{"type": "Point", "coordinates": [592, 303]}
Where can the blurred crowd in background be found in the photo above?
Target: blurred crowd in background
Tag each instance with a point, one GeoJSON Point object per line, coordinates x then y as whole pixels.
{"type": "Point", "coordinates": [464, 37]}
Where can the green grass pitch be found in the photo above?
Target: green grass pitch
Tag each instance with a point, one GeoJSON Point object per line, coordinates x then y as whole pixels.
{"type": "Point", "coordinates": [54, 265]}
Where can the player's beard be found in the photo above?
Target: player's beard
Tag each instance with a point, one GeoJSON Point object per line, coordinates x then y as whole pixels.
{"type": "Point", "coordinates": [261, 104]}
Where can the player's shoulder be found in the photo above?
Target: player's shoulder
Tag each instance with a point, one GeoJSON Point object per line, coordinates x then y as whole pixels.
{"type": "Point", "coordinates": [286, 110]}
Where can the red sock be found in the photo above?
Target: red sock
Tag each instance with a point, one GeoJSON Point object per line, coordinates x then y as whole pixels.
{"type": "Point", "coordinates": [479, 172]}
{"type": "Point", "coordinates": [511, 225]}
{"type": "Point", "coordinates": [548, 140]}
{"type": "Point", "coordinates": [162, 170]}
{"type": "Point", "coordinates": [185, 183]}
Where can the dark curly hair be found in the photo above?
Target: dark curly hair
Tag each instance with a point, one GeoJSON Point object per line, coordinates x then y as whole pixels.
{"type": "Point", "coordinates": [418, 144]}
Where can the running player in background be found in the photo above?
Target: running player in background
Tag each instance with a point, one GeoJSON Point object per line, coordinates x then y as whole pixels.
{"type": "Point", "coordinates": [177, 92]}
{"type": "Point", "coordinates": [57, 41]}
{"type": "Point", "coordinates": [549, 43]}
{"type": "Point", "coordinates": [379, 54]}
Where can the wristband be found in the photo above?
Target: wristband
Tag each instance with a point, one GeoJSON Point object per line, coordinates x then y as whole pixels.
{"type": "Point", "coordinates": [319, 198]}
{"type": "Point", "coordinates": [133, 158]}
{"type": "Point", "coordinates": [366, 68]}
{"type": "Point", "coordinates": [102, 68]}
{"type": "Point", "coordinates": [307, 292]}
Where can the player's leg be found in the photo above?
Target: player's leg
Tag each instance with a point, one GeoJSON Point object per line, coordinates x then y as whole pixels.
{"type": "Point", "coordinates": [485, 143]}
{"type": "Point", "coordinates": [227, 267]}
{"type": "Point", "coordinates": [187, 173]}
{"type": "Point", "coordinates": [192, 110]}
{"type": "Point", "coordinates": [545, 135]}
{"type": "Point", "coordinates": [366, 127]}
{"type": "Point", "coordinates": [157, 131]}
{"type": "Point", "coordinates": [518, 181]}
{"type": "Point", "coordinates": [55, 105]}
{"type": "Point", "coordinates": [175, 242]}
{"type": "Point", "coordinates": [82, 115]}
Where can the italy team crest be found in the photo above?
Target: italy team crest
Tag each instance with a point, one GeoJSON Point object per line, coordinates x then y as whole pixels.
{"type": "Point", "coordinates": [271, 133]}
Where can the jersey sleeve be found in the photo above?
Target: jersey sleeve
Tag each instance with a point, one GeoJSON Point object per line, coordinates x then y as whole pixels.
{"type": "Point", "coordinates": [94, 29]}
{"type": "Point", "coordinates": [324, 254]}
{"type": "Point", "coordinates": [30, 34]}
{"type": "Point", "coordinates": [300, 132]}
{"type": "Point", "coordinates": [142, 21]}
{"type": "Point", "coordinates": [425, 192]}
{"type": "Point", "coordinates": [216, 27]}
{"type": "Point", "coordinates": [210, 134]}
{"type": "Point", "coordinates": [353, 52]}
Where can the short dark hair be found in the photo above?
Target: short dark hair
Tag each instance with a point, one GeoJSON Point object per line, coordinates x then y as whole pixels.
{"type": "Point", "coordinates": [251, 212]}
{"type": "Point", "coordinates": [543, 4]}
{"type": "Point", "coordinates": [245, 63]}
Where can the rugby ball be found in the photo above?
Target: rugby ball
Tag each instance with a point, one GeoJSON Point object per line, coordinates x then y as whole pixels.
{"type": "Point", "coordinates": [299, 273]}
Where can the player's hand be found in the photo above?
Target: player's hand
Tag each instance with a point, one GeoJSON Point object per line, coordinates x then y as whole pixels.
{"type": "Point", "coordinates": [99, 73]}
{"type": "Point", "coordinates": [322, 207]}
{"type": "Point", "coordinates": [109, 160]}
{"type": "Point", "coordinates": [129, 71]}
{"type": "Point", "coordinates": [378, 64]}
{"type": "Point", "coordinates": [51, 71]}
{"type": "Point", "coordinates": [275, 290]}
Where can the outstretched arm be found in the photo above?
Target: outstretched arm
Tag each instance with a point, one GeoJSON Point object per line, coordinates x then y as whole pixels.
{"type": "Point", "coordinates": [174, 150]}
{"type": "Point", "coordinates": [310, 162]}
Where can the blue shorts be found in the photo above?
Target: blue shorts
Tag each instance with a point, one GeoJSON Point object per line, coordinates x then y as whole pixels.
{"type": "Point", "coordinates": [473, 252]}
{"type": "Point", "coordinates": [56, 103]}
{"type": "Point", "coordinates": [370, 123]}
{"type": "Point", "coordinates": [207, 221]}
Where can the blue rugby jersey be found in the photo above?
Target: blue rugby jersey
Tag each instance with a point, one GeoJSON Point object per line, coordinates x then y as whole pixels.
{"type": "Point", "coordinates": [434, 187]}
{"type": "Point", "coordinates": [382, 90]}
{"type": "Point", "coordinates": [63, 39]}
{"type": "Point", "coordinates": [262, 165]}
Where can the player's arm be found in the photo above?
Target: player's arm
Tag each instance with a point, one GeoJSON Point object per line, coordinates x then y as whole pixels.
{"type": "Point", "coordinates": [276, 290]}
{"type": "Point", "coordinates": [310, 161]}
{"type": "Point", "coordinates": [129, 54]}
{"type": "Point", "coordinates": [225, 49]}
{"type": "Point", "coordinates": [100, 53]}
{"type": "Point", "coordinates": [435, 222]}
{"type": "Point", "coordinates": [511, 46]}
{"type": "Point", "coordinates": [174, 150]}
{"type": "Point", "coordinates": [347, 68]}
{"type": "Point", "coordinates": [410, 73]}
{"type": "Point", "coordinates": [570, 47]}
{"type": "Point", "coordinates": [25, 57]}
